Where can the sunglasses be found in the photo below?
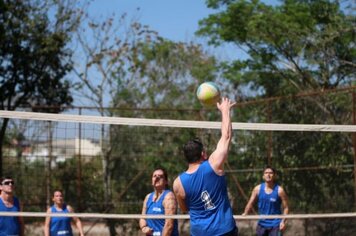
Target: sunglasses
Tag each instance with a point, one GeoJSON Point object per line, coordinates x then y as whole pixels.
{"type": "Point", "coordinates": [8, 183]}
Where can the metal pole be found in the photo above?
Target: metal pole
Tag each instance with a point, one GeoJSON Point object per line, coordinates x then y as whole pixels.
{"type": "Point", "coordinates": [354, 142]}
{"type": "Point", "coordinates": [269, 145]}
{"type": "Point", "coordinates": [49, 164]}
{"type": "Point", "coordinates": [79, 165]}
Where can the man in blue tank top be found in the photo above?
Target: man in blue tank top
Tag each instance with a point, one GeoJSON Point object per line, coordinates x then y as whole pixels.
{"type": "Point", "coordinates": [201, 190]}
{"type": "Point", "coordinates": [9, 225]}
{"type": "Point", "coordinates": [159, 202]}
{"type": "Point", "coordinates": [270, 198]}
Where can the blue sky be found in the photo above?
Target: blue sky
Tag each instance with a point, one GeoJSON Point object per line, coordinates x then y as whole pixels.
{"type": "Point", "coordinates": [173, 19]}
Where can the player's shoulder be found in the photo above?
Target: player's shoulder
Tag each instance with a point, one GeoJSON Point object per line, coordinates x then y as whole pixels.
{"type": "Point", "coordinates": [69, 207]}
{"type": "Point", "coordinates": [280, 189]}
{"type": "Point", "coordinates": [258, 187]}
{"type": "Point", "coordinates": [49, 209]}
{"type": "Point", "coordinates": [147, 196]}
{"type": "Point", "coordinates": [169, 195]}
{"type": "Point", "coordinates": [177, 183]}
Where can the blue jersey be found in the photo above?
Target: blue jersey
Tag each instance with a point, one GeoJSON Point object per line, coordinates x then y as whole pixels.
{"type": "Point", "coordinates": [10, 225]}
{"type": "Point", "coordinates": [156, 208]}
{"type": "Point", "coordinates": [269, 204]}
{"type": "Point", "coordinates": [207, 200]}
{"type": "Point", "coordinates": [60, 226]}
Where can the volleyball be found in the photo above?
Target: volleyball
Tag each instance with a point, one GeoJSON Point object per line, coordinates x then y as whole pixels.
{"type": "Point", "coordinates": [208, 93]}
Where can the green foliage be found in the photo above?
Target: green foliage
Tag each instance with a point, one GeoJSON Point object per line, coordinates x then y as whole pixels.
{"type": "Point", "coordinates": [167, 75]}
{"type": "Point", "coordinates": [293, 46]}
{"type": "Point", "coordinates": [34, 57]}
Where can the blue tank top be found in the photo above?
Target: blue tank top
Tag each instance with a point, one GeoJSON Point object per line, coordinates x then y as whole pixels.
{"type": "Point", "coordinates": [207, 200]}
{"type": "Point", "coordinates": [156, 208]}
{"type": "Point", "coordinates": [9, 225]}
{"type": "Point", "coordinates": [269, 204]}
{"type": "Point", "coordinates": [60, 225]}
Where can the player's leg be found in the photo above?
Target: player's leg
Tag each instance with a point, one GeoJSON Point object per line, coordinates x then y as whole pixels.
{"type": "Point", "coordinates": [275, 231]}
{"type": "Point", "coordinates": [260, 231]}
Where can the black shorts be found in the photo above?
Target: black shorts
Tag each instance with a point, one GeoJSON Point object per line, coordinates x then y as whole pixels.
{"type": "Point", "coordinates": [234, 232]}
{"type": "Point", "coordinates": [274, 231]}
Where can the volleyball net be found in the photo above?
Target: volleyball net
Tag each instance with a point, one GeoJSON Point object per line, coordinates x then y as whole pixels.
{"type": "Point", "coordinates": [104, 165]}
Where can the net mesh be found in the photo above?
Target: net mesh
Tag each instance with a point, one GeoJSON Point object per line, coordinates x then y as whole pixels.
{"type": "Point", "coordinates": [104, 164]}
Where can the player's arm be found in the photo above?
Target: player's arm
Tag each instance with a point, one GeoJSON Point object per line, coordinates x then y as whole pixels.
{"type": "Point", "coordinates": [218, 157]}
{"type": "Point", "coordinates": [47, 222]}
{"type": "Point", "coordinates": [76, 221]}
{"type": "Point", "coordinates": [143, 224]}
{"type": "Point", "coordinates": [180, 195]}
{"type": "Point", "coordinates": [252, 200]}
{"type": "Point", "coordinates": [170, 208]}
{"type": "Point", "coordinates": [282, 194]}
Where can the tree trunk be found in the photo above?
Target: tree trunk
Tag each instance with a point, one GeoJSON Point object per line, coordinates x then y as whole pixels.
{"type": "Point", "coordinates": [2, 141]}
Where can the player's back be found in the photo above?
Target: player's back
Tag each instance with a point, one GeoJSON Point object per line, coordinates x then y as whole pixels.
{"type": "Point", "coordinates": [207, 200]}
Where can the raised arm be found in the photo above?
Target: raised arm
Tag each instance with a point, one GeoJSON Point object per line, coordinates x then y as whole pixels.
{"type": "Point", "coordinates": [282, 194]}
{"type": "Point", "coordinates": [218, 157]}
{"type": "Point", "coordinates": [170, 208]}
{"type": "Point", "coordinates": [252, 200]}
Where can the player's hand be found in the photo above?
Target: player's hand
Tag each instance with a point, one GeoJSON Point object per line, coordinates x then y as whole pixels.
{"type": "Point", "coordinates": [282, 226]}
{"type": "Point", "coordinates": [225, 104]}
{"type": "Point", "coordinates": [147, 230]}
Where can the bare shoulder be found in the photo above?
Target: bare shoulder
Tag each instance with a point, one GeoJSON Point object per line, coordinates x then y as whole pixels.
{"type": "Point", "coordinates": [257, 188]}
{"type": "Point", "coordinates": [70, 208]}
{"type": "Point", "coordinates": [281, 190]}
{"type": "Point", "coordinates": [178, 188]}
{"type": "Point", "coordinates": [170, 195]}
{"type": "Point", "coordinates": [147, 196]}
{"type": "Point", "coordinates": [49, 210]}
{"type": "Point", "coordinates": [177, 184]}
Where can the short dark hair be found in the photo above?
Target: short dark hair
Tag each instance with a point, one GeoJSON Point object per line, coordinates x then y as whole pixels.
{"type": "Point", "coordinates": [5, 177]}
{"type": "Point", "coordinates": [192, 150]}
{"type": "Point", "coordinates": [270, 167]}
{"type": "Point", "coordinates": [57, 190]}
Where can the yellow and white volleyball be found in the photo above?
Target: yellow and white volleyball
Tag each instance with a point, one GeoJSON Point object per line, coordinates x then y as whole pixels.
{"type": "Point", "coordinates": [208, 93]}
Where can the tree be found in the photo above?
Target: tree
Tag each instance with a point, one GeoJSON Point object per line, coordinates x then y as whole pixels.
{"type": "Point", "coordinates": [293, 47]}
{"type": "Point", "coordinates": [127, 65]}
{"type": "Point", "coordinates": [107, 47]}
{"type": "Point", "coordinates": [34, 57]}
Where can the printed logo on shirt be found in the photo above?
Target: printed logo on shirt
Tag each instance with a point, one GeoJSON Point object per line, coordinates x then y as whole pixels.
{"type": "Point", "coordinates": [208, 203]}
{"type": "Point", "coordinates": [157, 209]}
{"type": "Point", "coordinates": [156, 234]}
{"type": "Point", "coordinates": [63, 232]}
{"type": "Point", "coordinates": [272, 199]}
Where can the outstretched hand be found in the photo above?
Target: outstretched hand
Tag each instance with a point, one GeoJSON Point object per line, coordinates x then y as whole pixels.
{"type": "Point", "coordinates": [225, 104]}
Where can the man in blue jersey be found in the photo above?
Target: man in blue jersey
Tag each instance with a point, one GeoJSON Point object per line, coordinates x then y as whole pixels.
{"type": "Point", "coordinates": [9, 225]}
{"type": "Point", "coordinates": [159, 202]}
{"type": "Point", "coordinates": [271, 197]}
{"type": "Point", "coordinates": [201, 190]}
